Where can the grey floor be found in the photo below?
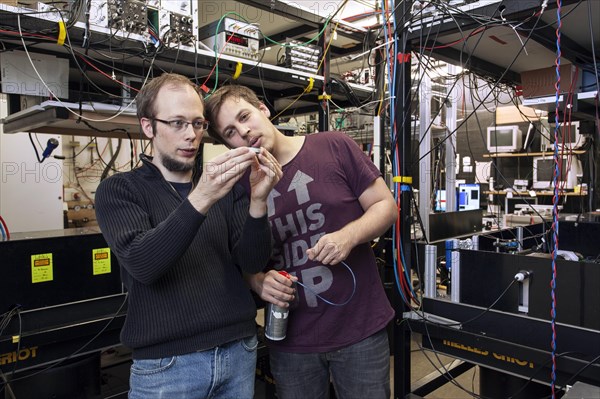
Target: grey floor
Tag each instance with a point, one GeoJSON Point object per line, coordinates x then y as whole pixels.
{"type": "Point", "coordinates": [426, 365]}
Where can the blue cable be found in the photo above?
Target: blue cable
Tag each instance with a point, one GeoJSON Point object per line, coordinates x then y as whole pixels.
{"type": "Point", "coordinates": [327, 301]}
{"type": "Point", "coordinates": [555, 200]}
{"type": "Point", "coordinates": [393, 135]}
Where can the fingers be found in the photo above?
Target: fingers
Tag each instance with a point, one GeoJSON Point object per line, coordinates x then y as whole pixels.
{"type": "Point", "coordinates": [227, 168]}
{"type": "Point", "coordinates": [277, 289]}
{"type": "Point", "coordinates": [231, 160]}
{"type": "Point", "coordinates": [218, 177]}
{"type": "Point", "coordinates": [326, 251]}
{"type": "Point", "coordinates": [266, 172]}
{"type": "Point", "coordinates": [269, 165]}
{"type": "Point", "coordinates": [243, 152]}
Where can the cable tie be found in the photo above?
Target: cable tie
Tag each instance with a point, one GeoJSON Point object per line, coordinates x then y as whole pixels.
{"type": "Point", "coordinates": [311, 83]}
{"type": "Point", "coordinates": [62, 33]}
{"type": "Point", "coordinates": [238, 71]}
{"type": "Point", "coordinates": [402, 179]}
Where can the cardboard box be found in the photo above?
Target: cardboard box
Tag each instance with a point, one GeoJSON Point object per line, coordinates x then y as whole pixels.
{"type": "Point", "coordinates": [512, 114]}
{"type": "Point", "coordinates": [540, 82]}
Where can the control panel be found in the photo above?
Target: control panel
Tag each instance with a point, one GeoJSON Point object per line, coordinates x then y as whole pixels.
{"type": "Point", "coordinates": [231, 37]}
{"type": "Point", "coordinates": [301, 56]}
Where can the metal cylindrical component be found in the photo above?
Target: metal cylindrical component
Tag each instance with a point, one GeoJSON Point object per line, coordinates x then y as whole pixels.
{"type": "Point", "coordinates": [430, 271]}
{"type": "Point", "coordinates": [276, 319]}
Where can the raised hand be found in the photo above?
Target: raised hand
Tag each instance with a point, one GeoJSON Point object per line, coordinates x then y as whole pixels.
{"type": "Point", "coordinates": [219, 176]}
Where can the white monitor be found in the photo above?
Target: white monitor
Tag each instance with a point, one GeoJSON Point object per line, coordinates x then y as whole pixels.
{"type": "Point", "coordinates": [504, 138]}
{"type": "Point", "coordinates": [543, 172]}
{"type": "Point", "coordinates": [569, 135]}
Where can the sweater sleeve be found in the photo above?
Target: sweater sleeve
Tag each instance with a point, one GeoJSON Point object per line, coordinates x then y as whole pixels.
{"type": "Point", "coordinates": [146, 251]}
{"type": "Point", "coordinates": [252, 236]}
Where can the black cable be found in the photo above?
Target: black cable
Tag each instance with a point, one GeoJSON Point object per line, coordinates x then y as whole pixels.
{"type": "Point", "coordinates": [478, 316]}
{"type": "Point", "coordinates": [81, 348]}
{"type": "Point", "coordinates": [15, 310]}
{"type": "Point", "coordinates": [496, 84]}
{"type": "Point", "coordinates": [112, 161]}
{"type": "Point", "coordinates": [37, 155]}
{"type": "Point", "coordinates": [447, 375]}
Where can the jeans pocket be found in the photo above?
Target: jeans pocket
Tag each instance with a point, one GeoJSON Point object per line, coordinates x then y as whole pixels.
{"type": "Point", "coordinates": [250, 343]}
{"type": "Point", "coordinates": [152, 366]}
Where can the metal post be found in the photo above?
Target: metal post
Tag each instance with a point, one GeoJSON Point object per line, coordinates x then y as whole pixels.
{"type": "Point", "coordinates": [450, 143]}
{"type": "Point", "coordinates": [424, 153]}
{"type": "Point", "coordinates": [430, 271]}
{"type": "Point", "coordinates": [402, 75]}
{"type": "Point", "coordinates": [326, 88]}
{"type": "Point", "coordinates": [455, 277]}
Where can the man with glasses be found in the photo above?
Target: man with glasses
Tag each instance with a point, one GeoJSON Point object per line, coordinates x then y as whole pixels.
{"type": "Point", "coordinates": [183, 237]}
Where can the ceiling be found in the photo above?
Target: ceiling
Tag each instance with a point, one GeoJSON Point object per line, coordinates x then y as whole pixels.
{"type": "Point", "coordinates": [515, 47]}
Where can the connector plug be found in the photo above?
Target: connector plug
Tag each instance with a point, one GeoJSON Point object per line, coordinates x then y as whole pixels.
{"type": "Point", "coordinates": [522, 275]}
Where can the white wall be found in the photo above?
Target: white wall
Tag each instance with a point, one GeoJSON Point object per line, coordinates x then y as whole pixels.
{"type": "Point", "coordinates": [31, 193]}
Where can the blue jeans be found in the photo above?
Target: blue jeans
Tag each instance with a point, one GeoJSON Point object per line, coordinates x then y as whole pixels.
{"type": "Point", "coordinates": [226, 371]}
{"type": "Point", "coordinates": [358, 371]}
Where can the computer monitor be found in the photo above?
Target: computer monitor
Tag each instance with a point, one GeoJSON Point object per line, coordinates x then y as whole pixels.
{"type": "Point", "coordinates": [468, 196]}
{"type": "Point", "coordinates": [570, 135]}
{"type": "Point", "coordinates": [543, 172]}
{"type": "Point", "coordinates": [504, 138]}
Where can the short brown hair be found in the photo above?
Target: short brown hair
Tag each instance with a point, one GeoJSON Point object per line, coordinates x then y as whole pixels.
{"type": "Point", "coordinates": [215, 101]}
{"type": "Point", "coordinates": [147, 95]}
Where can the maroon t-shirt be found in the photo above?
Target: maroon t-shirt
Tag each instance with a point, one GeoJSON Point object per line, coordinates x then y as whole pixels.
{"type": "Point", "coordinates": [318, 194]}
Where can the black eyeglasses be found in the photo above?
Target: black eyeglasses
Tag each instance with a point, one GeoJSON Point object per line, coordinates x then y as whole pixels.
{"type": "Point", "coordinates": [180, 125]}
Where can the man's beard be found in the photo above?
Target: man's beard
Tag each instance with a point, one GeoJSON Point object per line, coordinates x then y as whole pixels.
{"type": "Point", "coordinates": [173, 165]}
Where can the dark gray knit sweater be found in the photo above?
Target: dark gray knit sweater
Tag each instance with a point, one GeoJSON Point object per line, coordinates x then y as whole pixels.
{"type": "Point", "coordinates": [181, 268]}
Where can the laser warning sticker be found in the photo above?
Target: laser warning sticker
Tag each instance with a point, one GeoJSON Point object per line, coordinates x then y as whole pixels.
{"type": "Point", "coordinates": [101, 261]}
{"type": "Point", "coordinates": [41, 268]}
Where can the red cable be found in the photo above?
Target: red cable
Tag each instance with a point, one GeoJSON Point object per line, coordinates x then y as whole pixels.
{"type": "Point", "coordinates": [5, 228]}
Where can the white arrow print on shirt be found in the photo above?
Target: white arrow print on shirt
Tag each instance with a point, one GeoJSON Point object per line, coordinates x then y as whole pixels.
{"type": "Point", "coordinates": [271, 201]}
{"type": "Point", "coordinates": [299, 183]}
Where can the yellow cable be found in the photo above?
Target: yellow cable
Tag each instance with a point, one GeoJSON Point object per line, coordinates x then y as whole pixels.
{"type": "Point", "coordinates": [307, 89]}
{"type": "Point", "coordinates": [311, 81]}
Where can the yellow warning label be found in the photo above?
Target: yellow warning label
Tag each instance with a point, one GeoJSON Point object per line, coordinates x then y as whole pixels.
{"type": "Point", "coordinates": [101, 261]}
{"type": "Point", "coordinates": [41, 268]}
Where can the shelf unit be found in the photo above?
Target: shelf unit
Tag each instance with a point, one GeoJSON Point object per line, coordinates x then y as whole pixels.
{"type": "Point", "coordinates": [531, 195]}
{"type": "Point", "coordinates": [530, 154]}
{"type": "Point", "coordinates": [544, 193]}
{"type": "Point", "coordinates": [284, 84]}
